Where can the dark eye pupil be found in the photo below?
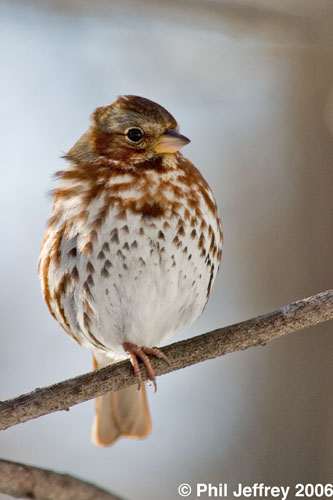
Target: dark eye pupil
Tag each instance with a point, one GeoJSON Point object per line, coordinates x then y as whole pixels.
{"type": "Point", "coordinates": [134, 134]}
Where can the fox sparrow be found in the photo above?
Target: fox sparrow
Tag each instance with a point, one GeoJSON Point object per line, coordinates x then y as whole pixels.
{"type": "Point", "coordinates": [131, 250]}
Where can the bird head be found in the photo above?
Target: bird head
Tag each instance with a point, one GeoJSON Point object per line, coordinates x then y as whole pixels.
{"type": "Point", "coordinates": [131, 130]}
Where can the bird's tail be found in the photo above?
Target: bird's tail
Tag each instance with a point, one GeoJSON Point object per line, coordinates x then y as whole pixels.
{"type": "Point", "coordinates": [120, 414]}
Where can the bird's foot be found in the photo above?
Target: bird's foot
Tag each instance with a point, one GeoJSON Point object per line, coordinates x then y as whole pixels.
{"type": "Point", "coordinates": [135, 352]}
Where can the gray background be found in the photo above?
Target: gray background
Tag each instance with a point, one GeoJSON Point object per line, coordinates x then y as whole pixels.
{"type": "Point", "coordinates": [251, 83]}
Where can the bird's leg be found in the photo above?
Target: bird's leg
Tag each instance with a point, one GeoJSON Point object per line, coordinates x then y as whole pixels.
{"type": "Point", "coordinates": [135, 352]}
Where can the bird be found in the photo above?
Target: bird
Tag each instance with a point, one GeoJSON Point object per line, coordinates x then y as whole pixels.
{"type": "Point", "coordinates": [131, 250]}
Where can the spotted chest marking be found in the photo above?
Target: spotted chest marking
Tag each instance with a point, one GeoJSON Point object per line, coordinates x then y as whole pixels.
{"type": "Point", "coordinates": [168, 264]}
{"type": "Point", "coordinates": [136, 261]}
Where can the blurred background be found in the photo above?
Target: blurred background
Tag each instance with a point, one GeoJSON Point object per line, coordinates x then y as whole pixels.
{"type": "Point", "coordinates": [251, 83]}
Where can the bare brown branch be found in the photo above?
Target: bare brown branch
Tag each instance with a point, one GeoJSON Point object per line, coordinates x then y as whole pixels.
{"type": "Point", "coordinates": [250, 333]}
{"type": "Point", "coordinates": [24, 481]}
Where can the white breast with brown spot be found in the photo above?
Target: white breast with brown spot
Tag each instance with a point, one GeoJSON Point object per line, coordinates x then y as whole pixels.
{"type": "Point", "coordinates": [138, 278]}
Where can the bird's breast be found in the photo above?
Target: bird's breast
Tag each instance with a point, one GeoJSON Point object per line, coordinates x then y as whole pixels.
{"type": "Point", "coordinates": [136, 261]}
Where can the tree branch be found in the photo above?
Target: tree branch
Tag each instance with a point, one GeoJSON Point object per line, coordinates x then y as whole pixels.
{"type": "Point", "coordinates": [24, 481]}
{"type": "Point", "coordinates": [253, 332]}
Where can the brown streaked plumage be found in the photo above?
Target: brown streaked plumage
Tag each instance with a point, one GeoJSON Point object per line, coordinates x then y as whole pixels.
{"type": "Point", "coordinates": [131, 250]}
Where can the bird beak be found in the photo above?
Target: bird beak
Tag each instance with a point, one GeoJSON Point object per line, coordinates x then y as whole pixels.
{"type": "Point", "coordinates": [170, 142]}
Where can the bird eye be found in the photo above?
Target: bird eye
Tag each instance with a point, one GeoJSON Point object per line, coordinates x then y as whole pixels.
{"type": "Point", "coordinates": [134, 135]}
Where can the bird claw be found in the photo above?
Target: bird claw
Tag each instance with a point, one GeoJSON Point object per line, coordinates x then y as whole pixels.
{"type": "Point", "coordinates": [142, 353]}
